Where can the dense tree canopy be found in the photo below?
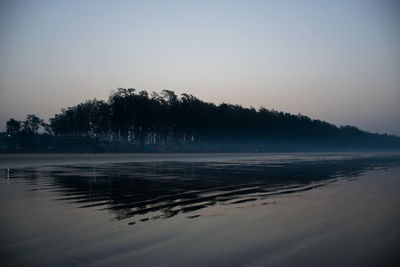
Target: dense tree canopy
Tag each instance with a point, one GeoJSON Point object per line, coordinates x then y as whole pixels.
{"type": "Point", "coordinates": [164, 120]}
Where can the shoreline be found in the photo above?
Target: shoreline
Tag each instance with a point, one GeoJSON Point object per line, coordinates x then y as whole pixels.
{"type": "Point", "coordinates": [17, 160]}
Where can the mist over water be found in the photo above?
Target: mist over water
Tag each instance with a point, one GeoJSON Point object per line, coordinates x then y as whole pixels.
{"type": "Point", "coordinates": [199, 133]}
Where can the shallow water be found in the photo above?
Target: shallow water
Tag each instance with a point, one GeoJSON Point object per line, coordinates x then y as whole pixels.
{"type": "Point", "coordinates": [200, 209]}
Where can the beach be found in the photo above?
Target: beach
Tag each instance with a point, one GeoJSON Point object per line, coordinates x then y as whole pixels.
{"type": "Point", "coordinates": [304, 209]}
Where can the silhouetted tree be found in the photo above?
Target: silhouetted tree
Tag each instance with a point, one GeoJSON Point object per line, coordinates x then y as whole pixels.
{"type": "Point", "coordinates": [137, 119]}
{"type": "Point", "coordinates": [13, 126]}
{"type": "Point", "coordinates": [32, 124]}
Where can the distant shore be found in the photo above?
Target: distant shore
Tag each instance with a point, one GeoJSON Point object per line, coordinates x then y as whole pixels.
{"type": "Point", "coordinates": [40, 159]}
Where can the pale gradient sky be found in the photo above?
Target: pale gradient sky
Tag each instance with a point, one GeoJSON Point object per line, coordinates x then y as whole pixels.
{"type": "Point", "coordinates": [337, 61]}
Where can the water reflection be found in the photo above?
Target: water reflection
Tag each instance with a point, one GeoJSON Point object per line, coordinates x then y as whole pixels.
{"type": "Point", "coordinates": [158, 190]}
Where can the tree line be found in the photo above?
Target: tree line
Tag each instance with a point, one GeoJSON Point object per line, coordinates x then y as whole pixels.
{"type": "Point", "coordinates": [132, 120]}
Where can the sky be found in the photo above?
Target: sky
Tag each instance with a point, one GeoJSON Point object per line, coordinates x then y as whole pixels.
{"type": "Point", "coordinates": [337, 61]}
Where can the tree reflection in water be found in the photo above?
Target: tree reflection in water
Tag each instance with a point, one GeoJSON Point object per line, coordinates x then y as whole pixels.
{"type": "Point", "coordinates": [157, 190]}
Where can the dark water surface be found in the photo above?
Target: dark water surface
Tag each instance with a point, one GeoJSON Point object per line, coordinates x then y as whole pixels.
{"type": "Point", "coordinates": [200, 210]}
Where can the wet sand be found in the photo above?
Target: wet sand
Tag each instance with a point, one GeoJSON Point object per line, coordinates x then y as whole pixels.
{"type": "Point", "coordinates": [239, 210]}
